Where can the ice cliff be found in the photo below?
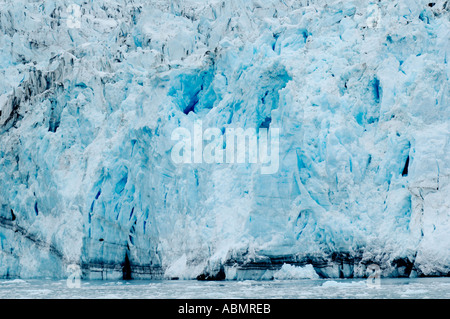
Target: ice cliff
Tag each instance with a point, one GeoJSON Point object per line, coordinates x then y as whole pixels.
{"type": "Point", "coordinates": [90, 92]}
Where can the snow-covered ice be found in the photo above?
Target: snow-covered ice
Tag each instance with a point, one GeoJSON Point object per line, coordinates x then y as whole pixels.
{"type": "Point", "coordinates": [358, 89]}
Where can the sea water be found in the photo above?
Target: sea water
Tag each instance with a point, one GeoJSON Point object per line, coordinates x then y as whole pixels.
{"type": "Point", "coordinates": [404, 288]}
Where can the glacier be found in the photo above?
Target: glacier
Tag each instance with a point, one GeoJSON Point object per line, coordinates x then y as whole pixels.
{"type": "Point", "coordinates": [90, 92]}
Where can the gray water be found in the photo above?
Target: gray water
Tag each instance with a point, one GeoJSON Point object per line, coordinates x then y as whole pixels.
{"type": "Point", "coordinates": [404, 288]}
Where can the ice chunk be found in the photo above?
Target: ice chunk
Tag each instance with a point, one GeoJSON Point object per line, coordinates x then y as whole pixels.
{"type": "Point", "coordinates": [290, 272]}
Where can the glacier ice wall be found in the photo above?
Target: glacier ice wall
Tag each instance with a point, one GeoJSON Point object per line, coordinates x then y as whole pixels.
{"type": "Point", "coordinates": [359, 90]}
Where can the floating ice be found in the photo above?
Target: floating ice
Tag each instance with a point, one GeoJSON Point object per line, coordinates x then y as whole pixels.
{"type": "Point", "coordinates": [292, 272]}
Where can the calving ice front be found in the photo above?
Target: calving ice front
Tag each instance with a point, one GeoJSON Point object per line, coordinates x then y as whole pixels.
{"type": "Point", "coordinates": [191, 148]}
{"type": "Point", "coordinates": [88, 161]}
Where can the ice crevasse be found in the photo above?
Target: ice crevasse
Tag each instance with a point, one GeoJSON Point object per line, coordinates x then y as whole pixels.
{"type": "Point", "coordinates": [91, 91]}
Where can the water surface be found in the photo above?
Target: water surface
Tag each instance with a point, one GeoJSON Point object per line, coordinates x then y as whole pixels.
{"type": "Point", "coordinates": [434, 288]}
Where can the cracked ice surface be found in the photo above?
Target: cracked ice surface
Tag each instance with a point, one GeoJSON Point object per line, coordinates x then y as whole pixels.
{"type": "Point", "coordinates": [358, 89]}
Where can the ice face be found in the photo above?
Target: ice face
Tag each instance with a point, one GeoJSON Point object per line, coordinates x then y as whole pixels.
{"type": "Point", "coordinates": [90, 94]}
